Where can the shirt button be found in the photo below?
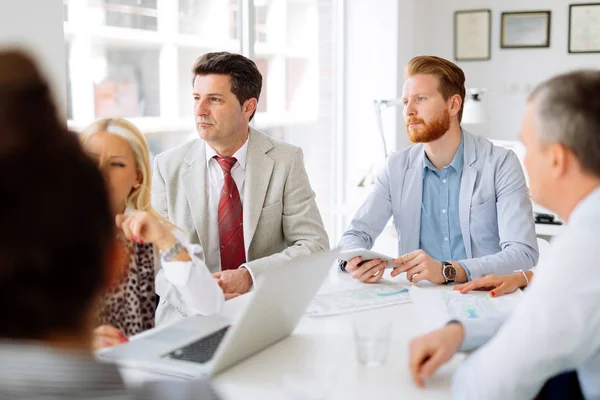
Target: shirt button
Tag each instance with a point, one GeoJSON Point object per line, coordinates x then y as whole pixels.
{"type": "Point", "coordinates": [443, 181]}
{"type": "Point", "coordinates": [444, 211]}
{"type": "Point", "coordinates": [446, 239]}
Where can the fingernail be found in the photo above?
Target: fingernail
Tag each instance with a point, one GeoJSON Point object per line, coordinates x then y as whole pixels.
{"type": "Point", "coordinates": [492, 294]}
{"type": "Point", "coordinates": [141, 241]}
{"type": "Point", "coordinates": [107, 343]}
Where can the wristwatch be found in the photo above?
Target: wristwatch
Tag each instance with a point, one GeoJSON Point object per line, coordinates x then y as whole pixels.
{"type": "Point", "coordinates": [172, 251]}
{"type": "Point", "coordinates": [448, 271]}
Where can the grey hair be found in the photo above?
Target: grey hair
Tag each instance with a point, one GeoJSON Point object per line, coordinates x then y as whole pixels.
{"type": "Point", "coordinates": [568, 112]}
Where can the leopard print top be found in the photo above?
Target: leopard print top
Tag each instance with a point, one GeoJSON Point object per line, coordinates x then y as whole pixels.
{"type": "Point", "coordinates": [130, 305]}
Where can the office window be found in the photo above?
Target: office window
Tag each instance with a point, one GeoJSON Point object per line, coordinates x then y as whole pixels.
{"type": "Point", "coordinates": [215, 20]}
{"type": "Point", "coordinates": [134, 14]}
{"type": "Point", "coordinates": [127, 83]}
{"type": "Point", "coordinates": [295, 54]}
{"type": "Point", "coordinates": [133, 58]}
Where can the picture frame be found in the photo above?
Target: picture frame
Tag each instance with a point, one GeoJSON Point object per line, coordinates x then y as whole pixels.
{"type": "Point", "coordinates": [473, 35]}
{"type": "Point", "coordinates": [525, 29]}
{"type": "Point", "coordinates": [584, 28]}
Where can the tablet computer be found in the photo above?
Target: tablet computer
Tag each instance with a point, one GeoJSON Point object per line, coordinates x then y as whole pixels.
{"type": "Point", "coordinates": [366, 255]}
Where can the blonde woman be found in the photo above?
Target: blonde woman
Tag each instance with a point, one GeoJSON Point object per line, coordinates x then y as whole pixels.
{"type": "Point", "coordinates": [128, 307]}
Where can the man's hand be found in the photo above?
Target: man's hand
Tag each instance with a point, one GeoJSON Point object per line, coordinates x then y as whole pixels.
{"type": "Point", "coordinates": [419, 266]}
{"type": "Point", "coordinates": [366, 271]}
{"type": "Point", "coordinates": [229, 296]}
{"type": "Point", "coordinates": [498, 285]}
{"type": "Point", "coordinates": [429, 352]}
{"type": "Point", "coordinates": [238, 281]}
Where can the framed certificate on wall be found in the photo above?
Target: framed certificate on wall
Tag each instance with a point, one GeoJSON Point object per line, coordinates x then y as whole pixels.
{"type": "Point", "coordinates": [584, 28]}
{"type": "Point", "coordinates": [525, 29]}
{"type": "Point", "coordinates": [472, 35]}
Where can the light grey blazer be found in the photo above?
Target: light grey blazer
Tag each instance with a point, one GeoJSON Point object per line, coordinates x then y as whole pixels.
{"type": "Point", "coordinates": [280, 215]}
{"type": "Point", "coordinates": [495, 211]}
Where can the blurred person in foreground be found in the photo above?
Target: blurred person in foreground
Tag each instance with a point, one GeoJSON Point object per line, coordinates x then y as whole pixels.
{"type": "Point", "coordinates": [58, 254]}
{"type": "Point", "coordinates": [550, 344]}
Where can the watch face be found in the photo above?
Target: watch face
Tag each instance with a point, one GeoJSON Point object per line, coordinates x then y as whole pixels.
{"type": "Point", "coordinates": [450, 272]}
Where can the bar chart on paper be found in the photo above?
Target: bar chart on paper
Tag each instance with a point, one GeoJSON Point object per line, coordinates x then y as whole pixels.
{"type": "Point", "coordinates": [362, 298]}
{"type": "Point", "coordinates": [476, 305]}
{"type": "Point", "coordinates": [437, 307]}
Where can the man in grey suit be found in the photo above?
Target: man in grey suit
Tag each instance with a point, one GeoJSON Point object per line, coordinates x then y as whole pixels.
{"type": "Point", "coordinates": [460, 205]}
{"type": "Point", "coordinates": [243, 197]}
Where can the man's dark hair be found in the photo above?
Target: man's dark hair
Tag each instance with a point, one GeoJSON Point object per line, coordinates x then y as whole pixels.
{"type": "Point", "coordinates": [246, 80]}
{"type": "Point", "coordinates": [56, 225]}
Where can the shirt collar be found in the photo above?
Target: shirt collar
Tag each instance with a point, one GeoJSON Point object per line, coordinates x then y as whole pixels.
{"type": "Point", "coordinates": [457, 161]}
{"type": "Point", "coordinates": [240, 155]}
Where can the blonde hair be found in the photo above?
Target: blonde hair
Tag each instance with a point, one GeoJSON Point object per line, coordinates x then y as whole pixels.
{"type": "Point", "coordinates": [449, 75]}
{"type": "Point", "coordinates": [139, 198]}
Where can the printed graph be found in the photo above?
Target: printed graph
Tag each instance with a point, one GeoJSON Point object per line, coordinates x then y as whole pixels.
{"type": "Point", "coordinates": [363, 298]}
{"type": "Point", "coordinates": [468, 306]}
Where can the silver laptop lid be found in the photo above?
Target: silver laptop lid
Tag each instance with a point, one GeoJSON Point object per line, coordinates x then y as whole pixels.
{"type": "Point", "coordinates": [280, 298]}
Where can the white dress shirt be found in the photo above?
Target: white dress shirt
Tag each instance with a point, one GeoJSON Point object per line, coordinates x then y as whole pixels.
{"type": "Point", "coordinates": [555, 329]}
{"type": "Point", "coordinates": [196, 288]}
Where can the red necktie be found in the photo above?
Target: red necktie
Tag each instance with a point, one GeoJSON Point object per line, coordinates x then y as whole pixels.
{"type": "Point", "coordinates": [231, 229]}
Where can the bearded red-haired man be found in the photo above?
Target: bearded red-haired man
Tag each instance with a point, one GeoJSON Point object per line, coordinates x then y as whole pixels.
{"type": "Point", "coordinates": [460, 204]}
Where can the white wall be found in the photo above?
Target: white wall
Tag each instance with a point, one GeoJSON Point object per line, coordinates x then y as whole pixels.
{"type": "Point", "coordinates": [37, 27]}
{"type": "Point", "coordinates": [371, 66]}
{"type": "Point", "coordinates": [508, 68]}
{"type": "Point", "coordinates": [379, 41]}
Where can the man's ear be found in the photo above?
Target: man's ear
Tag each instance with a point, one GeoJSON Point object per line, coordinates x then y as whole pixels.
{"type": "Point", "coordinates": [455, 104]}
{"type": "Point", "coordinates": [249, 107]}
{"type": "Point", "coordinates": [559, 160]}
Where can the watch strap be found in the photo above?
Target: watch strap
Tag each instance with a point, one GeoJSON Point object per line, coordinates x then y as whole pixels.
{"type": "Point", "coordinates": [172, 251]}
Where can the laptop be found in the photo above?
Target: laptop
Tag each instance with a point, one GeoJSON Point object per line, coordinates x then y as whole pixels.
{"type": "Point", "coordinates": [205, 345]}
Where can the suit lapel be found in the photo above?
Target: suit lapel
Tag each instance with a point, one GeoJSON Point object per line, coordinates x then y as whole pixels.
{"type": "Point", "coordinates": [259, 167]}
{"type": "Point", "coordinates": [410, 204]}
{"type": "Point", "coordinates": [469, 175]}
{"type": "Point", "coordinates": [196, 185]}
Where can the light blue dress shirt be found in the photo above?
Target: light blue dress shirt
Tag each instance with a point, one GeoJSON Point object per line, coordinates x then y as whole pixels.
{"type": "Point", "coordinates": [554, 329]}
{"type": "Point", "coordinates": [440, 235]}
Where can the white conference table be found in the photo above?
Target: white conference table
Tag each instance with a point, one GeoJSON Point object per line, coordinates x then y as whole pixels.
{"type": "Point", "coordinates": [320, 355]}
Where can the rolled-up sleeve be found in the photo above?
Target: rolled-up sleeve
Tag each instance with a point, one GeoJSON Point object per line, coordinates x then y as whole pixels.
{"type": "Point", "coordinates": [190, 283]}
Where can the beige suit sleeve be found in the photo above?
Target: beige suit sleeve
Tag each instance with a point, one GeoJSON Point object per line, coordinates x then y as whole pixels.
{"type": "Point", "coordinates": [159, 190]}
{"type": "Point", "coordinates": [301, 221]}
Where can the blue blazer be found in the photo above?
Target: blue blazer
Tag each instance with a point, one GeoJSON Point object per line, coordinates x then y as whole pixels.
{"type": "Point", "coordinates": [495, 211]}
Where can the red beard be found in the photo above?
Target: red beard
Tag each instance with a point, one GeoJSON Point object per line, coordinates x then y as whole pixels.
{"type": "Point", "coordinates": [425, 133]}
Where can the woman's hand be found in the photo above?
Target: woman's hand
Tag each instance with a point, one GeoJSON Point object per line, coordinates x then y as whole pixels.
{"type": "Point", "coordinates": [142, 227]}
{"type": "Point", "coordinates": [497, 284]}
{"type": "Point", "coordinates": [107, 336]}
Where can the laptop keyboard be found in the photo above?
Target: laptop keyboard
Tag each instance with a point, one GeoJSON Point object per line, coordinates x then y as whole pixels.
{"type": "Point", "coordinates": [201, 350]}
